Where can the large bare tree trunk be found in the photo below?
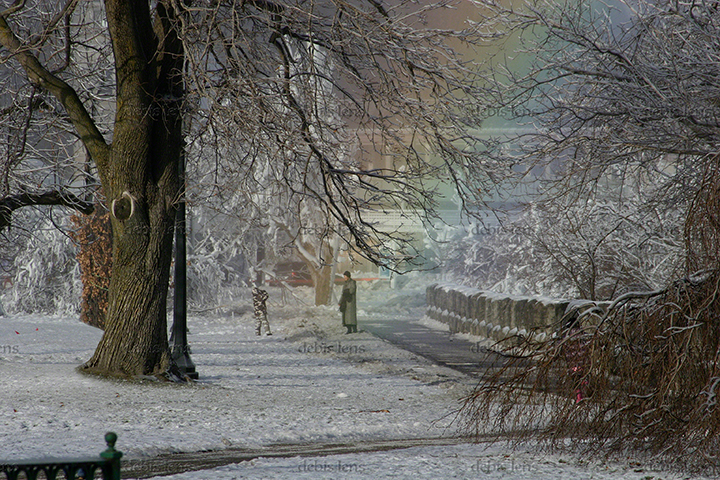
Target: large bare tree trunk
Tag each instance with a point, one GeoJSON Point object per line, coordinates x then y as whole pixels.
{"type": "Point", "coordinates": [141, 181]}
{"type": "Point", "coordinates": [135, 340]}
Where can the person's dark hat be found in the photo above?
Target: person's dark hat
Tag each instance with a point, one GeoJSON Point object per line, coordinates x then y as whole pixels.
{"type": "Point", "coordinates": [346, 273]}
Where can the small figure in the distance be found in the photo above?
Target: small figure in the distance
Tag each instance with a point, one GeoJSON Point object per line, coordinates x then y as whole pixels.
{"type": "Point", "coordinates": [348, 304]}
{"type": "Point", "coordinates": [261, 319]}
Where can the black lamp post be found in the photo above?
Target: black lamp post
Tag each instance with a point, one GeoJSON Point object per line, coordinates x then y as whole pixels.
{"type": "Point", "coordinates": [179, 348]}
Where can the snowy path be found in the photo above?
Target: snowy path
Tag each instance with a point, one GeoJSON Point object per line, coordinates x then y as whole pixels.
{"type": "Point", "coordinates": [306, 387]}
{"type": "Point", "coordinates": [170, 464]}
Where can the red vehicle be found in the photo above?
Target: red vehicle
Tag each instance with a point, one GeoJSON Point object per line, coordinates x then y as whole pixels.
{"type": "Point", "coordinates": [291, 273]}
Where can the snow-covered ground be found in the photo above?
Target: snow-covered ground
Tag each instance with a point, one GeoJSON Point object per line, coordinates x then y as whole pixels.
{"type": "Point", "coordinates": [308, 383]}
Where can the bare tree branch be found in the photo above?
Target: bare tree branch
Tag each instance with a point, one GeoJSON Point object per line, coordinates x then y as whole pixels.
{"type": "Point", "coordinates": [88, 131]}
{"type": "Point", "coordinates": [12, 203]}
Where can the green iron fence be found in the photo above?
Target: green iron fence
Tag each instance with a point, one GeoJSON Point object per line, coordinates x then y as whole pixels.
{"type": "Point", "coordinates": [106, 466]}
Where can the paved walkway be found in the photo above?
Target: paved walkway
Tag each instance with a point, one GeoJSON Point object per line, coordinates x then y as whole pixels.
{"type": "Point", "coordinates": [439, 346]}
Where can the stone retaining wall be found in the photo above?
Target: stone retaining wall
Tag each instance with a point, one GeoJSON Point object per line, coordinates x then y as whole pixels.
{"type": "Point", "coordinates": [492, 315]}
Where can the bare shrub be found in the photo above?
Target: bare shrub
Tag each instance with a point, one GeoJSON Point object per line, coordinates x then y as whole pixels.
{"type": "Point", "coordinates": [643, 378]}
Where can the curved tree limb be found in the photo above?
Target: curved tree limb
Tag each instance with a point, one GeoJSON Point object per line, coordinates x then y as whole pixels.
{"type": "Point", "coordinates": [66, 95]}
{"type": "Point", "coordinates": [52, 197]}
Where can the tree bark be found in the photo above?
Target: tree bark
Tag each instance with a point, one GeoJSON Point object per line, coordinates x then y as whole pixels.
{"type": "Point", "coordinates": [315, 257]}
{"type": "Point", "coordinates": [323, 284]}
{"type": "Point", "coordinates": [143, 185]}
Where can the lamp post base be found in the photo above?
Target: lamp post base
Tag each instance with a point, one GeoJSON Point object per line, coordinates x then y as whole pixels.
{"type": "Point", "coordinates": [181, 356]}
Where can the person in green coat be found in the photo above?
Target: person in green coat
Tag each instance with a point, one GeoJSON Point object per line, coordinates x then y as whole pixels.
{"type": "Point", "coordinates": [348, 304]}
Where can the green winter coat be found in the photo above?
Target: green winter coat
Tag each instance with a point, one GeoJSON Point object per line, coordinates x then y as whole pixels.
{"type": "Point", "coordinates": [348, 303]}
